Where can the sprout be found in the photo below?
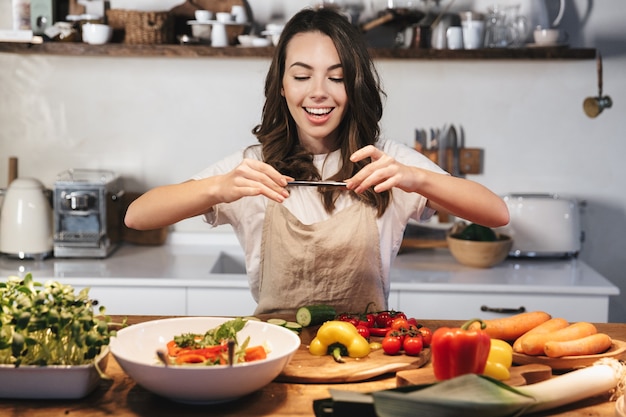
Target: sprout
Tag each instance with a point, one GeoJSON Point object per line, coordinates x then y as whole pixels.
{"type": "Point", "coordinates": [49, 324]}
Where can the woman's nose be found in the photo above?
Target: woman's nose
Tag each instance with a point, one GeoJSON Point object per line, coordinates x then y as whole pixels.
{"type": "Point", "coordinates": [318, 88]}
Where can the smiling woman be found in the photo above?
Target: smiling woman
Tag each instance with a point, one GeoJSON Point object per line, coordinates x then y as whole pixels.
{"type": "Point", "coordinates": [320, 122]}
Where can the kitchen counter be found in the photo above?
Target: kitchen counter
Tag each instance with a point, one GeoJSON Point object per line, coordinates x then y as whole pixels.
{"type": "Point", "coordinates": [123, 398]}
{"type": "Point", "coordinates": [190, 268]}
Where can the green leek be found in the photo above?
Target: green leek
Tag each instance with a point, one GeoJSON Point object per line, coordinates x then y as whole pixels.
{"type": "Point", "coordinates": [481, 396]}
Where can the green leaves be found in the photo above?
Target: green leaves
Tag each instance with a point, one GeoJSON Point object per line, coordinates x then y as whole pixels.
{"type": "Point", "coordinates": [49, 324]}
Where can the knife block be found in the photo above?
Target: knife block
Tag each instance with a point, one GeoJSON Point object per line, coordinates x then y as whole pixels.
{"type": "Point", "coordinates": [470, 160]}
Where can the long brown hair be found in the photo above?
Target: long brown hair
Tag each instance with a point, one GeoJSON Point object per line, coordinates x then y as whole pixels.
{"type": "Point", "coordinates": [277, 131]}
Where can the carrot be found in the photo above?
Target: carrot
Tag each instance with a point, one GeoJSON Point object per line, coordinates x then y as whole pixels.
{"type": "Point", "coordinates": [588, 345]}
{"type": "Point", "coordinates": [533, 344]}
{"type": "Point", "coordinates": [189, 358]}
{"type": "Point", "coordinates": [551, 325]}
{"type": "Point", "coordinates": [510, 328]}
{"type": "Point", "coordinates": [255, 353]}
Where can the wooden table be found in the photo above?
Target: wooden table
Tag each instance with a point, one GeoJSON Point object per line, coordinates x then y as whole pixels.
{"type": "Point", "coordinates": [121, 397]}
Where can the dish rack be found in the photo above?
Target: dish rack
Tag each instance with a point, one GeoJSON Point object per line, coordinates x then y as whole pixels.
{"type": "Point", "coordinates": [141, 27]}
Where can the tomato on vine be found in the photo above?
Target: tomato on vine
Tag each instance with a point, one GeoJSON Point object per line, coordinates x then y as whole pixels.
{"type": "Point", "coordinates": [392, 344]}
{"type": "Point", "coordinates": [413, 344]}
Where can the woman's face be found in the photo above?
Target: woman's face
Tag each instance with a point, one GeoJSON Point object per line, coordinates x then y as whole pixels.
{"type": "Point", "coordinates": [314, 90]}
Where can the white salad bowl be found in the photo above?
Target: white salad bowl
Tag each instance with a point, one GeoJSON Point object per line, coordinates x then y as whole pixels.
{"type": "Point", "coordinates": [135, 349]}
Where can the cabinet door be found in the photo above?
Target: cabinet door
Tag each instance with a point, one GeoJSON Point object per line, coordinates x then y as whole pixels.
{"type": "Point", "coordinates": [146, 301]}
{"type": "Point", "coordinates": [464, 306]}
{"type": "Point", "coordinates": [220, 302]}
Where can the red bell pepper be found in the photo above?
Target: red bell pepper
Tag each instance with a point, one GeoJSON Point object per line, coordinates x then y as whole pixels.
{"type": "Point", "coordinates": [458, 351]}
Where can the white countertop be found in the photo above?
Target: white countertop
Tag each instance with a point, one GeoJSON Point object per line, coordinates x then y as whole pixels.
{"type": "Point", "coordinates": [189, 260]}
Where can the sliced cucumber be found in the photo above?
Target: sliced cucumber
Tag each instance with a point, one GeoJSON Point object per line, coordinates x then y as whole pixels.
{"type": "Point", "coordinates": [252, 318]}
{"type": "Point", "coordinates": [315, 314]}
{"type": "Point", "coordinates": [278, 322]}
{"type": "Point", "coordinates": [293, 326]}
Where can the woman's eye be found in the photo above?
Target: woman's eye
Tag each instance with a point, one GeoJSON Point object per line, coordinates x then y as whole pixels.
{"type": "Point", "coordinates": [336, 79]}
{"type": "Point", "coordinates": [301, 77]}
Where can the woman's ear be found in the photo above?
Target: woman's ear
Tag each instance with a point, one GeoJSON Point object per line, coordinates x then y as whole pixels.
{"type": "Point", "coordinates": [282, 91]}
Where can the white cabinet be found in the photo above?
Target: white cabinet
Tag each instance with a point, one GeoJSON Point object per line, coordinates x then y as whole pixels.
{"type": "Point", "coordinates": [220, 302]}
{"type": "Point", "coordinates": [465, 305]}
{"type": "Point", "coordinates": [140, 300]}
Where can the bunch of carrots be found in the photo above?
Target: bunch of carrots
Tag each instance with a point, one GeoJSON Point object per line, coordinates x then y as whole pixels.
{"type": "Point", "coordinates": [537, 333]}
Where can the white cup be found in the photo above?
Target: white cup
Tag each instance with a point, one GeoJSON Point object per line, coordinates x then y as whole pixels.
{"type": "Point", "coordinates": [223, 17]}
{"type": "Point", "coordinates": [473, 32]}
{"type": "Point", "coordinates": [546, 36]}
{"type": "Point", "coordinates": [239, 13]}
{"type": "Point", "coordinates": [219, 38]}
{"type": "Point", "coordinates": [203, 15]}
{"type": "Point", "coordinates": [454, 37]}
{"type": "Point", "coordinates": [96, 33]}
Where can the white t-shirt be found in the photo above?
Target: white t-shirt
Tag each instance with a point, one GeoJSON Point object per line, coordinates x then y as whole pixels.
{"type": "Point", "coordinates": [246, 215]}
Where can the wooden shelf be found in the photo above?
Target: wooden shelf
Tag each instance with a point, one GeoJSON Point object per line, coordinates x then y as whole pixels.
{"type": "Point", "coordinates": [201, 51]}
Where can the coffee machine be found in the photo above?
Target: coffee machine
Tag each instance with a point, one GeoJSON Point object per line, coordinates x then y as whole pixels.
{"type": "Point", "coordinates": [87, 213]}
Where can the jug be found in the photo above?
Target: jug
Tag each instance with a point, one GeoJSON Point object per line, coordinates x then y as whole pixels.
{"type": "Point", "coordinates": [26, 220]}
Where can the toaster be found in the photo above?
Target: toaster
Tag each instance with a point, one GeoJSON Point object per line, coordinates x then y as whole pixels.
{"type": "Point", "coordinates": [543, 225]}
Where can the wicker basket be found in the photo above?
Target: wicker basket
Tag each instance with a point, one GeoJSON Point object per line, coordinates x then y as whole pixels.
{"type": "Point", "coordinates": [141, 27]}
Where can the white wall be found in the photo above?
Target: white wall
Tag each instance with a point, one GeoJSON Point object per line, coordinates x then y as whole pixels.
{"type": "Point", "coordinates": [160, 120]}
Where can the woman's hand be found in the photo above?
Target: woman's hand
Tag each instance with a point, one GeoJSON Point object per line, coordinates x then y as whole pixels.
{"type": "Point", "coordinates": [250, 178]}
{"type": "Point", "coordinates": [383, 173]}
{"type": "Point", "coordinates": [457, 196]}
{"type": "Point", "coordinates": [168, 204]}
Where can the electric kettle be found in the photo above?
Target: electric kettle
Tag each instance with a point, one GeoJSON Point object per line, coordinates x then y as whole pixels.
{"type": "Point", "coordinates": [26, 220]}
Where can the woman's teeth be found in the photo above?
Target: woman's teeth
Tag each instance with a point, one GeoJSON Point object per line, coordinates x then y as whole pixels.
{"type": "Point", "coordinates": [318, 112]}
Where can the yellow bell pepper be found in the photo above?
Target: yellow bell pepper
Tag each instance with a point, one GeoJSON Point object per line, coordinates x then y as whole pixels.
{"type": "Point", "coordinates": [499, 360]}
{"type": "Point", "coordinates": [339, 338]}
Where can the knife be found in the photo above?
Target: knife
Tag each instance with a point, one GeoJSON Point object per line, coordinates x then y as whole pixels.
{"type": "Point", "coordinates": [317, 183]}
{"type": "Point", "coordinates": [454, 145]}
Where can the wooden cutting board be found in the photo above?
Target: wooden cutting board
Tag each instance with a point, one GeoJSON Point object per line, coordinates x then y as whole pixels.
{"type": "Point", "coordinates": [520, 375]}
{"type": "Point", "coordinates": [307, 368]}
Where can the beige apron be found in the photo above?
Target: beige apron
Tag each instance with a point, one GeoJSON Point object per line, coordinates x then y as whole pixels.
{"type": "Point", "coordinates": [335, 262]}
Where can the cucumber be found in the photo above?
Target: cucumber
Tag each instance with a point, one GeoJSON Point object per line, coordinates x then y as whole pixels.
{"type": "Point", "coordinates": [278, 322]}
{"type": "Point", "coordinates": [315, 314]}
{"type": "Point", "coordinates": [293, 326]}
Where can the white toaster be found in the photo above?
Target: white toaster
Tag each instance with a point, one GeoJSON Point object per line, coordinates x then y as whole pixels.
{"type": "Point", "coordinates": [543, 225]}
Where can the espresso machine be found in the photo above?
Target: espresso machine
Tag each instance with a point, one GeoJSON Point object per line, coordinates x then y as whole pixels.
{"type": "Point", "coordinates": [88, 213]}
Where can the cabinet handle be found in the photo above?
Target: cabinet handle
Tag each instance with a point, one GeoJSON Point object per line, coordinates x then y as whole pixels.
{"type": "Point", "coordinates": [503, 310]}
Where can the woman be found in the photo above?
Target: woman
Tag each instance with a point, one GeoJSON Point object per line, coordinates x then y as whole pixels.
{"type": "Point", "coordinates": [334, 244]}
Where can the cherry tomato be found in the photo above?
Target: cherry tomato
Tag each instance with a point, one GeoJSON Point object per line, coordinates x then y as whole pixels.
{"type": "Point", "coordinates": [413, 345]}
{"type": "Point", "coordinates": [363, 331]}
{"type": "Point", "coordinates": [391, 345]}
{"type": "Point", "coordinates": [427, 335]}
{"type": "Point", "coordinates": [413, 321]}
{"type": "Point", "coordinates": [399, 323]}
{"type": "Point", "coordinates": [371, 320]}
{"type": "Point", "coordinates": [398, 314]}
{"type": "Point", "coordinates": [382, 319]}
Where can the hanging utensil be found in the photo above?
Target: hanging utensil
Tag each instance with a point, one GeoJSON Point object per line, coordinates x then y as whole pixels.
{"type": "Point", "coordinates": [593, 106]}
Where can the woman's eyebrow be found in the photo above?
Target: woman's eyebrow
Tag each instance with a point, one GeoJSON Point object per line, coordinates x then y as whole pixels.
{"type": "Point", "coordinates": [307, 66]}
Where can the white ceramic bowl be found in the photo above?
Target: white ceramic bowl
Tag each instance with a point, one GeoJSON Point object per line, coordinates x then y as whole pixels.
{"type": "Point", "coordinates": [135, 348]}
{"type": "Point", "coordinates": [97, 33]}
{"type": "Point", "coordinates": [546, 36]}
{"type": "Point", "coordinates": [54, 382]}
